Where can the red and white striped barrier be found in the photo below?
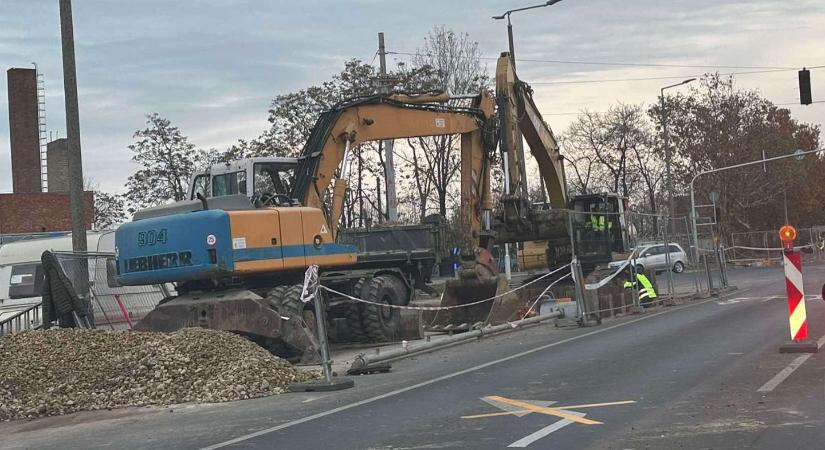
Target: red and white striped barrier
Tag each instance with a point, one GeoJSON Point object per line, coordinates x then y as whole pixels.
{"type": "Point", "coordinates": [796, 296]}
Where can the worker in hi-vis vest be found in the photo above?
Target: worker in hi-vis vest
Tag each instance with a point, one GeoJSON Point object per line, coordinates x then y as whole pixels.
{"type": "Point", "coordinates": [646, 291]}
{"type": "Point", "coordinates": [597, 223]}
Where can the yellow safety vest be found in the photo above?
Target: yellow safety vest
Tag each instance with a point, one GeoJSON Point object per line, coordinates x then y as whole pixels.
{"type": "Point", "coordinates": [597, 222]}
{"type": "Point", "coordinates": [647, 290]}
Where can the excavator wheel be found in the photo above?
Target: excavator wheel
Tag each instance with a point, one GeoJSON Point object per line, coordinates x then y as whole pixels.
{"type": "Point", "coordinates": [382, 324]}
{"type": "Point", "coordinates": [286, 300]}
{"type": "Point", "coordinates": [353, 317]}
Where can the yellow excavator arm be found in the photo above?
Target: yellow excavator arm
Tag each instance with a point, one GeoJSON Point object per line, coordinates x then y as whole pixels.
{"type": "Point", "coordinates": [517, 110]}
{"type": "Point", "coordinates": [325, 158]}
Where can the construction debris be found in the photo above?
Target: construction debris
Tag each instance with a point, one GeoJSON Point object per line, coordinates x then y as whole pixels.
{"type": "Point", "coordinates": [59, 371]}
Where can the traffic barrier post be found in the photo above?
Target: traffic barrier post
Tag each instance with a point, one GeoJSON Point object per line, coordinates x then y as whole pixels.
{"type": "Point", "coordinates": [797, 318]}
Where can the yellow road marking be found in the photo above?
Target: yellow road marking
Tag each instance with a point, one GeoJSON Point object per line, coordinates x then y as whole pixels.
{"type": "Point", "coordinates": [525, 411]}
{"type": "Point", "coordinates": [542, 410]}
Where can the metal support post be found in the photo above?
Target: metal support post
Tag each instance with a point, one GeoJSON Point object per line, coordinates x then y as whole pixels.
{"type": "Point", "coordinates": [328, 383]}
{"type": "Point", "coordinates": [578, 289]}
{"type": "Point", "coordinates": [637, 307]}
{"type": "Point", "coordinates": [723, 269]}
{"type": "Point", "coordinates": [708, 273]}
{"type": "Point", "coordinates": [322, 338]}
{"type": "Point", "coordinates": [667, 258]}
{"type": "Point", "coordinates": [507, 271]}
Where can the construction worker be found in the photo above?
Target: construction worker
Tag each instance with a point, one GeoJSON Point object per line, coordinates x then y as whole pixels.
{"type": "Point", "coordinates": [597, 223]}
{"type": "Point", "coordinates": [646, 293]}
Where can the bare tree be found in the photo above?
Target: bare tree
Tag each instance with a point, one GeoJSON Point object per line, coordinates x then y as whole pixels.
{"type": "Point", "coordinates": [605, 140]}
{"type": "Point", "coordinates": [447, 61]}
{"type": "Point", "coordinates": [166, 159]}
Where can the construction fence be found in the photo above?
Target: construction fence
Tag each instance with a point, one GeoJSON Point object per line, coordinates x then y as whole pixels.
{"type": "Point", "coordinates": [113, 306]}
{"type": "Point", "coordinates": [764, 248]}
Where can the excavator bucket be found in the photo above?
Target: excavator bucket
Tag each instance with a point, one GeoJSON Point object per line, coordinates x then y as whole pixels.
{"type": "Point", "coordinates": [486, 295]}
{"type": "Point", "coordinates": [238, 311]}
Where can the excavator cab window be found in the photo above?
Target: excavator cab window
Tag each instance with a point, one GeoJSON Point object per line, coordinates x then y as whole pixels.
{"type": "Point", "coordinates": [201, 186]}
{"type": "Point", "coordinates": [593, 226]}
{"type": "Point", "coordinates": [273, 178]}
{"type": "Point", "coordinates": [229, 184]}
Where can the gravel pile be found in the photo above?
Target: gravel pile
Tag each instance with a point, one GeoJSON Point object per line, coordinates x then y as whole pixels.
{"type": "Point", "coordinates": [59, 371]}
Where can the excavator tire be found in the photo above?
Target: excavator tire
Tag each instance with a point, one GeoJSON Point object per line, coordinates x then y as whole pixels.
{"type": "Point", "coordinates": [382, 324]}
{"type": "Point", "coordinates": [286, 300]}
{"type": "Point", "coordinates": [353, 317]}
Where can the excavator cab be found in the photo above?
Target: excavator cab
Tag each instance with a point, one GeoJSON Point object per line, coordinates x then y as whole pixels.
{"type": "Point", "coordinates": [598, 228]}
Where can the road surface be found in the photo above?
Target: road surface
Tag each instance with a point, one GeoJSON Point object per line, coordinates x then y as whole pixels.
{"type": "Point", "coordinates": [704, 375]}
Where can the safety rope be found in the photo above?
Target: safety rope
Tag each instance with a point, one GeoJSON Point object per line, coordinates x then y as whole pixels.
{"type": "Point", "coordinates": [542, 294]}
{"type": "Point", "coordinates": [604, 281]}
{"type": "Point", "coordinates": [442, 308]}
{"type": "Point", "coordinates": [768, 249]}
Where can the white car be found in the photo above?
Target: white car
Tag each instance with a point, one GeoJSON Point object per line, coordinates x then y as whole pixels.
{"type": "Point", "coordinates": [654, 257]}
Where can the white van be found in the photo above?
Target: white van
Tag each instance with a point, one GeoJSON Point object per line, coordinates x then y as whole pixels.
{"type": "Point", "coordinates": [21, 275]}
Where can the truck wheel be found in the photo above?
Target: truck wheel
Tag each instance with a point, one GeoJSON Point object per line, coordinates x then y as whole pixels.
{"type": "Point", "coordinates": [353, 317]}
{"type": "Point", "coordinates": [382, 324]}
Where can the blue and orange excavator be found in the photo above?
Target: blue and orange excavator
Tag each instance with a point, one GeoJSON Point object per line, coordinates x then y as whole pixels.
{"type": "Point", "coordinates": [238, 261]}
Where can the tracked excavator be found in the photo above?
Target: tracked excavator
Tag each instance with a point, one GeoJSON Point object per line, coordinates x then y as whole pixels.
{"type": "Point", "coordinates": [238, 260]}
{"type": "Point", "coordinates": [559, 225]}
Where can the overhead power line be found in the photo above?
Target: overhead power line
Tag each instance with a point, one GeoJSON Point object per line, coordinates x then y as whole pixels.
{"type": "Point", "coordinates": [761, 70]}
{"type": "Point", "coordinates": [629, 64]}
{"type": "Point", "coordinates": [673, 77]}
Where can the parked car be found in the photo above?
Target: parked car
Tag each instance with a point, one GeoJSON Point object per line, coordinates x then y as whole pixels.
{"type": "Point", "coordinates": [654, 257]}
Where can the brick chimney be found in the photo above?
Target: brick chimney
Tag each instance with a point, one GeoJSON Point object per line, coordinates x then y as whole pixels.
{"type": "Point", "coordinates": [23, 128]}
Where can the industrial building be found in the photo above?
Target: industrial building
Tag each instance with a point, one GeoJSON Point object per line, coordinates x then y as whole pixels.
{"type": "Point", "coordinates": [39, 200]}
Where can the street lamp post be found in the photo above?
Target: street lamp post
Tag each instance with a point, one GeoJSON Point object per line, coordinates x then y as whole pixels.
{"type": "Point", "coordinates": [668, 153]}
{"type": "Point", "coordinates": [669, 229]}
{"type": "Point", "coordinates": [797, 154]}
{"type": "Point", "coordinates": [510, 26]}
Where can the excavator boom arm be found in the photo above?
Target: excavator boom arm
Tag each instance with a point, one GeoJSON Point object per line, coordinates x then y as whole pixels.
{"type": "Point", "coordinates": [522, 112]}
{"type": "Point", "coordinates": [324, 158]}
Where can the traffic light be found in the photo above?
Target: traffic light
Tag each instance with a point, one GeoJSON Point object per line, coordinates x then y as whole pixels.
{"type": "Point", "coordinates": [805, 86]}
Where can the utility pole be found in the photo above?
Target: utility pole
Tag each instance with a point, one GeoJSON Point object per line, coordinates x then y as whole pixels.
{"type": "Point", "coordinates": [75, 162]}
{"type": "Point", "coordinates": [384, 88]}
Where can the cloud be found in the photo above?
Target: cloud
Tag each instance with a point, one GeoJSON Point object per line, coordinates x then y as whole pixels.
{"type": "Point", "coordinates": [213, 66]}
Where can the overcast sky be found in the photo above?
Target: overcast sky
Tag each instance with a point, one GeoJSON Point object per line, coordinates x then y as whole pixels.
{"type": "Point", "coordinates": [212, 66]}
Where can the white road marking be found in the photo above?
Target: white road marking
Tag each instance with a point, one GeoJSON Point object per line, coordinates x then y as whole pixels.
{"type": "Point", "coordinates": [448, 376]}
{"type": "Point", "coordinates": [555, 426]}
{"type": "Point", "coordinates": [789, 369]}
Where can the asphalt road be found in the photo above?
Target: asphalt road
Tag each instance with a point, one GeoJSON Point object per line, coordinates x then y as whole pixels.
{"type": "Point", "coordinates": [679, 377]}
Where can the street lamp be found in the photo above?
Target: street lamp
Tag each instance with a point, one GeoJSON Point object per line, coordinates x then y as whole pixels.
{"type": "Point", "coordinates": [668, 156]}
{"type": "Point", "coordinates": [669, 181]}
{"type": "Point", "coordinates": [510, 26]}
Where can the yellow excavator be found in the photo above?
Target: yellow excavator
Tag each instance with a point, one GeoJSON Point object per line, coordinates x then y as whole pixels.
{"type": "Point", "coordinates": [557, 226]}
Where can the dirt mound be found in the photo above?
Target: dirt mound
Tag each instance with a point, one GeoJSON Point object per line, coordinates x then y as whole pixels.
{"type": "Point", "coordinates": [59, 371]}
